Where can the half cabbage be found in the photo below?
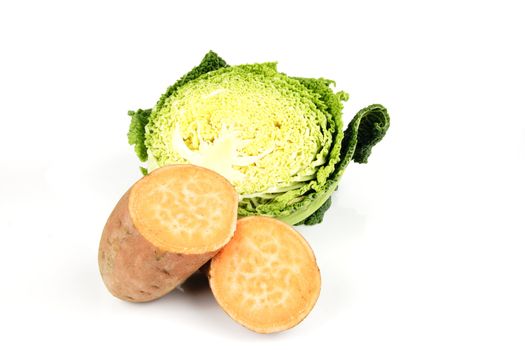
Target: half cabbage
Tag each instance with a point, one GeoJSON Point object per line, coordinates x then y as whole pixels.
{"type": "Point", "coordinates": [278, 139]}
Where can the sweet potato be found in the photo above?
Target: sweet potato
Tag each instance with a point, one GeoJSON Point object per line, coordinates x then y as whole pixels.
{"type": "Point", "coordinates": [164, 228]}
{"type": "Point", "coordinates": [266, 278]}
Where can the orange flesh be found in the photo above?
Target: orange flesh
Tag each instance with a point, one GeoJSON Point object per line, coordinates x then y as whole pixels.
{"type": "Point", "coordinates": [184, 209]}
{"type": "Point", "coordinates": [266, 277]}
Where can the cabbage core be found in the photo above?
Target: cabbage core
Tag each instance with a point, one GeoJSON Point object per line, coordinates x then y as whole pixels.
{"type": "Point", "coordinates": [258, 128]}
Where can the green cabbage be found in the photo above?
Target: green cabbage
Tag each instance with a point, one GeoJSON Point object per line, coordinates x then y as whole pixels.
{"type": "Point", "coordinates": [278, 139]}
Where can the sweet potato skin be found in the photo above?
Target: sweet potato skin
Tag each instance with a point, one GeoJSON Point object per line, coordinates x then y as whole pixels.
{"type": "Point", "coordinates": [132, 268]}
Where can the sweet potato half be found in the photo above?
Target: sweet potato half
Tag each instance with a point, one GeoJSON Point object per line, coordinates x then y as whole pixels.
{"type": "Point", "coordinates": [266, 278]}
{"type": "Point", "coordinates": [163, 229]}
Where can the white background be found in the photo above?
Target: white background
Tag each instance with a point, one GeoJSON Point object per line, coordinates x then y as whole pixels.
{"type": "Point", "coordinates": [424, 247]}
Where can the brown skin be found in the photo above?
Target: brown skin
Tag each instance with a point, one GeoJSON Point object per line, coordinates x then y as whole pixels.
{"type": "Point", "coordinates": [135, 270]}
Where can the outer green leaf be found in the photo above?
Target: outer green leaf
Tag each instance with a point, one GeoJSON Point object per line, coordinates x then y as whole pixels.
{"type": "Point", "coordinates": [371, 124]}
{"type": "Point", "coordinates": [136, 134]}
{"type": "Point", "coordinates": [318, 215]}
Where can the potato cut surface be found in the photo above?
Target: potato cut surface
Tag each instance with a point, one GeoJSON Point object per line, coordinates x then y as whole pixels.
{"type": "Point", "coordinates": [184, 209]}
{"type": "Point", "coordinates": [266, 277]}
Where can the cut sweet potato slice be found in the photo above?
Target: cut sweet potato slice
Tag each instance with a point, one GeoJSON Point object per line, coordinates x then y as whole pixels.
{"type": "Point", "coordinates": [165, 228]}
{"type": "Point", "coordinates": [266, 278]}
